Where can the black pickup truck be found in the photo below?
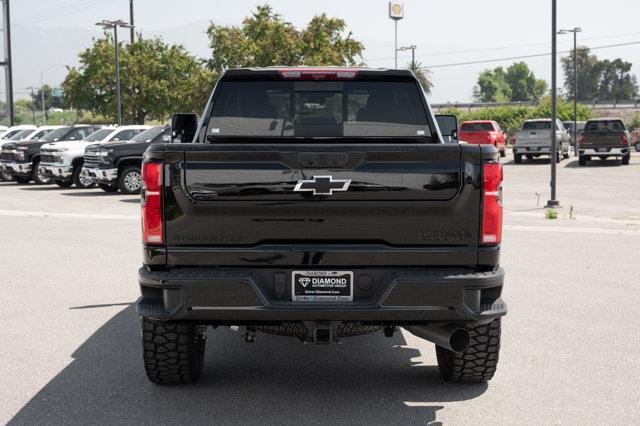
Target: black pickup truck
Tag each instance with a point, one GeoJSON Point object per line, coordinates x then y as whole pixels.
{"type": "Point", "coordinates": [604, 138]}
{"type": "Point", "coordinates": [116, 165]}
{"type": "Point", "coordinates": [320, 204]}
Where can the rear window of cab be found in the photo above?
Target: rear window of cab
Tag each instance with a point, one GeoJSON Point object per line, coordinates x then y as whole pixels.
{"type": "Point", "coordinates": [605, 125]}
{"type": "Point", "coordinates": [476, 127]}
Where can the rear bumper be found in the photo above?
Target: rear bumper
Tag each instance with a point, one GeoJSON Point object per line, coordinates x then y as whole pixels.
{"type": "Point", "coordinates": [391, 296]}
{"type": "Point", "coordinates": [607, 151]}
{"type": "Point", "coordinates": [532, 150]}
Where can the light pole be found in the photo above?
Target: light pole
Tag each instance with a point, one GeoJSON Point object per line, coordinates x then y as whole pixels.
{"type": "Point", "coordinates": [413, 48]}
{"type": "Point", "coordinates": [396, 12]}
{"type": "Point", "coordinates": [114, 26]}
{"type": "Point", "coordinates": [553, 202]}
{"type": "Point", "coordinates": [575, 32]}
{"type": "Point", "coordinates": [131, 26]}
{"type": "Point", "coordinates": [44, 116]}
{"type": "Point", "coordinates": [7, 62]}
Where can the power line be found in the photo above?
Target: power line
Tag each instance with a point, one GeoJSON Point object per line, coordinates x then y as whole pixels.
{"type": "Point", "coordinates": [537, 55]}
{"type": "Point", "coordinates": [513, 46]}
{"type": "Point", "coordinates": [55, 10]}
{"type": "Point", "coordinates": [72, 8]}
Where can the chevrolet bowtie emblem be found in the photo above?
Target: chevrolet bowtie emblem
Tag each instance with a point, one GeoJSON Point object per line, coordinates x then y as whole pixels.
{"type": "Point", "coordinates": [322, 185]}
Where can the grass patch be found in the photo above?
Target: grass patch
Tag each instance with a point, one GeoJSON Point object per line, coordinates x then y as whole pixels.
{"type": "Point", "coordinates": [551, 214]}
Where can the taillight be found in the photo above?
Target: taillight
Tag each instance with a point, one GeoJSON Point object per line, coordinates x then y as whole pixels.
{"type": "Point", "coordinates": [513, 140]}
{"type": "Point", "coordinates": [317, 74]}
{"type": "Point", "coordinates": [490, 139]}
{"type": "Point", "coordinates": [152, 203]}
{"type": "Point", "coordinates": [492, 204]}
{"type": "Point", "coordinates": [625, 141]}
{"type": "Point", "coordinates": [581, 140]}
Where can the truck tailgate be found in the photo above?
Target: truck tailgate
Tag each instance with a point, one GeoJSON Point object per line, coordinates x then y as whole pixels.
{"type": "Point", "coordinates": [595, 140]}
{"type": "Point", "coordinates": [475, 137]}
{"type": "Point", "coordinates": [235, 204]}
{"type": "Point", "coordinates": [534, 138]}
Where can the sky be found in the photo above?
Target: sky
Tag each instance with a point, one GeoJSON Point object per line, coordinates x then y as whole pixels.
{"type": "Point", "coordinates": [446, 32]}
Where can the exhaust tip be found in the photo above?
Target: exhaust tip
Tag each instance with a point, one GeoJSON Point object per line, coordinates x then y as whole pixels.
{"type": "Point", "coordinates": [459, 340]}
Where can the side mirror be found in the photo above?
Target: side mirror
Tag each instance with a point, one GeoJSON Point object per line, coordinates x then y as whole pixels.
{"type": "Point", "coordinates": [183, 127]}
{"type": "Point", "coordinates": [448, 125]}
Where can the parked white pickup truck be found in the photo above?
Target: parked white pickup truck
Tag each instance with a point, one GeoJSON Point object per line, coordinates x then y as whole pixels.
{"type": "Point", "coordinates": [62, 161]}
{"type": "Point", "coordinates": [534, 140]}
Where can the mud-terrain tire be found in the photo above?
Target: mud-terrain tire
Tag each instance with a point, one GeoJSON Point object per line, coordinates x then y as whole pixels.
{"type": "Point", "coordinates": [173, 353]}
{"type": "Point", "coordinates": [582, 160]}
{"type": "Point", "coordinates": [625, 160]}
{"type": "Point", "coordinates": [478, 362]}
{"type": "Point", "coordinates": [517, 158]}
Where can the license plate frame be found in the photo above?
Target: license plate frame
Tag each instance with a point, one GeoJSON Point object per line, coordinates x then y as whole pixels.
{"type": "Point", "coordinates": [322, 286]}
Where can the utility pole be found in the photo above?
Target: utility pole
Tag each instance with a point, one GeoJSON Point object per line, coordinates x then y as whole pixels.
{"type": "Point", "coordinates": [413, 48]}
{"type": "Point", "coordinates": [33, 101]}
{"type": "Point", "coordinates": [132, 29]}
{"type": "Point", "coordinates": [44, 116]}
{"type": "Point", "coordinates": [553, 202]}
{"type": "Point", "coordinates": [7, 61]}
{"type": "Point", "coordinates": [114, 26]}
{"type": "Point", "coordinates": [575, 32]}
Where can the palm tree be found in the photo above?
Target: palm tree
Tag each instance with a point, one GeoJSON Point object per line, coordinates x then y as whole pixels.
{"type": "Point", "coordinates": [422, 74]}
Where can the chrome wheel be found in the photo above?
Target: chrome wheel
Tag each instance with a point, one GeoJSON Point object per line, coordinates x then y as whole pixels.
{"type": "Point", "coordinates": [133, 182]}
{"type": "Point", "coordinates": [84, 181]}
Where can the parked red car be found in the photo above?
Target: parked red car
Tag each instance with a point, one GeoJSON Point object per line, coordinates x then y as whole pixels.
{"type": "Point", "coordinates": [485, 132]}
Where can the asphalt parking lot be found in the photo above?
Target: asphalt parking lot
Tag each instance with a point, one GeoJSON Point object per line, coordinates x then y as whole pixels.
{"type": "Point", "coordinates": [71, 351]}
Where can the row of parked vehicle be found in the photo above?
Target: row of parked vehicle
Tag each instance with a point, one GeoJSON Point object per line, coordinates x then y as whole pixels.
{"type": "Point", "coordinates": [81, 155]}
{"type": "Point", "coordinates": [597, 138]}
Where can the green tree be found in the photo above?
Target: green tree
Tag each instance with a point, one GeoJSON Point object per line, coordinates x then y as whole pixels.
{"type": "Point", "coordinates": [588, 75]}
{"type": "Point", "coordinates": [37, 97]}
{"type": "Point", "coordinates": [599, 79]}
{"type": "Point", "coordinates": [515, 84]}
{"type": "Point", "coordinates": [523, 83]}
{"type": "Point", "coordinates": [156, 80]}
{"type": "Point", "coordinates": [422, 74]}
{"type": "Point", "coordinates": [266, 39]}
{"type": "Point", "coordinates": [617, 82]}
{"type": "Point", "coordinates": [492, 86]}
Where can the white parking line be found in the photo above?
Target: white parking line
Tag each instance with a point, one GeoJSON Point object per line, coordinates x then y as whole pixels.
{"type": "Point", "coordinates": [570, 230]}
{"type": "Point", "coordinates": [92, 216]}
